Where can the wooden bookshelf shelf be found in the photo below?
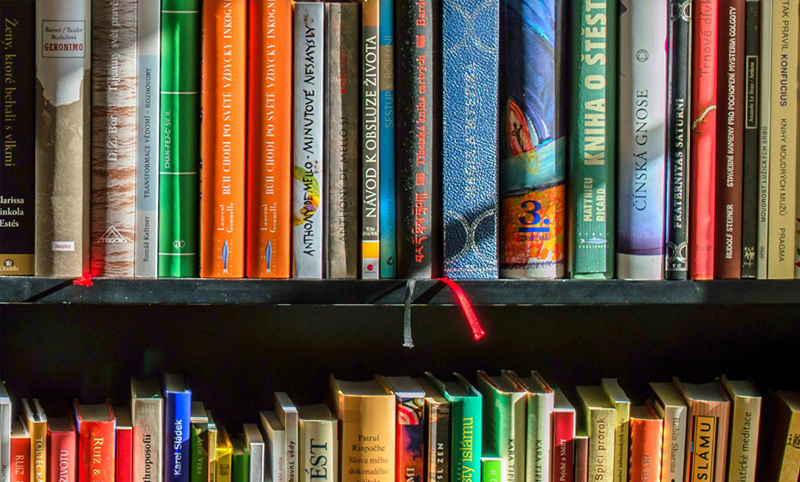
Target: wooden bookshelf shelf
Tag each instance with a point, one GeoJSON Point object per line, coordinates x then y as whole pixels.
{"type": "Point", "coordinates": [392, 292]}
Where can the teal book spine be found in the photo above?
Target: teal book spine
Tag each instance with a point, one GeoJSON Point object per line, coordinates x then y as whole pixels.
{"type": "Point", "coordinates": [387, 179]}
{"type": "Point", "coordinates": [466, 418]}
{"type": "Point", "coordinates": [179, 159]}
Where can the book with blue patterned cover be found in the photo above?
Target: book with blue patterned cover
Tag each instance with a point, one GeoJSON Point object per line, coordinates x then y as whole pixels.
{"type": "Point", "coordinates": [470, 38]}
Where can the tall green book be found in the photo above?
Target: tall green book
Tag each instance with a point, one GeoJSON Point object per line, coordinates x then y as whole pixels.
{"type": "Point", "coordinates": [466, 427]}
{"type": "Point", "coordinates": [179, 161]}
{"type": "Point", "coordinates": [504, 416]}
{"type": "Point", "coordinates": [199, 443]}
{"type": "Point", "coordinates": [593, 141]}
{"type": "Point", "coordinates": [241, 460]}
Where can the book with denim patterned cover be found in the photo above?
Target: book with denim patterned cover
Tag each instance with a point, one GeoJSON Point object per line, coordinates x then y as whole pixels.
{"type": "Point", "coordinates": [470, 37]}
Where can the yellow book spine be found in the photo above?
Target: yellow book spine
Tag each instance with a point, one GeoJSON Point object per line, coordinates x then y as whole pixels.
{"type": "Point", "coordinates": [622, 431]}
{"type": "Point", "coordinates": [212, 453]}
{"type": "Point", "coordinates": [791, 453]}
{"type": "Point", "coordinates": [38, 431]}
{"type": "Point", "coordinates": [783, 139]}
{"type": "Point", "coordinates": [224, 462]}
{"type": "Point", "coordinates": [744, 439]}
{"type": "Point", "coordinates": [601, 444]}
{"type": "Point", "coordinates": [367, 439]}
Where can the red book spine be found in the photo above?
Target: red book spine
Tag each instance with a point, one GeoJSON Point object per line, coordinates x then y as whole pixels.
{"type": "Point", "coordinates": [410, 436]}
{"type": "Point", "coordinates": [563, 447]}
{"type": "Point", "coordinates": [96, 451]}
{"type": "Point", "coordinates": [63, 457]}
{"type": "Point", "coordinates": [124, 466]}
{"type": "Point", "coordinates": [20, 460]}
{"type": "Point", "coordinates": [704, 139]}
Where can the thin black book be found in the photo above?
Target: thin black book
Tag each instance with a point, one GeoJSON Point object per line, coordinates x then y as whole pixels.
{"type": "Point", "coordinates": [752, 51]}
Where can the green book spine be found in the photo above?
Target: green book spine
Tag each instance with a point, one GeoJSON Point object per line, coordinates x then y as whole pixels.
{"type": "Point", "coordinates": [467, 434]}
{"type": "Point", "coordinates": [199, 451]}
{"type": "Point", "coordinates": [593, 144]}
{"type": "Point", "coordinates": [504, 414]}
{"type": "Point", "coordinates": [179, 168]}
{"type": "Point", "coordinates": [241, 462]}
{"type": "Point", "coordinates": [491, 469]}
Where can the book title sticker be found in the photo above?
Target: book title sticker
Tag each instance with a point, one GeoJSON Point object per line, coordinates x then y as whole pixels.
{"type": "Point", "coordinates": [63, 246]}
{"type": "Point", "coordinates": [64, 39]}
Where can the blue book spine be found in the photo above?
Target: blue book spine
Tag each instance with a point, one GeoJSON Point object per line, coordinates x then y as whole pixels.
{"type": "Point", "coordinates": [176, 436]}
{"type": "Point", "coordinates": [387, 187]}
{"type": "Point", "coordinates": [470, 38]}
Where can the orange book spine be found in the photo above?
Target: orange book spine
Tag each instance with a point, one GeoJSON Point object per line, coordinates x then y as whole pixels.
{"type": "Point", "coordinates": [645, 449]}
{"type": "Point", "coordinates": [269, 139]}
{"type": "Point", "coordinates": [222, 227]}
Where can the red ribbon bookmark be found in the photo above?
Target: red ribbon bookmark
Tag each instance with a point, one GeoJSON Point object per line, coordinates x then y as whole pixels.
{"type": "Point", "coordinates": [466, 307]}
{"type": "Point", "coordinates": [85, 280]}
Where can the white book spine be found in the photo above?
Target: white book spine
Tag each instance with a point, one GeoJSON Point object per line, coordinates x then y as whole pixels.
{"type": "Point", "coordinates": [309, 58]}
{"type": "Point", "coordinates": [148, 433]}
{"type": "Point", "coordinates": [674, 447]}
{"type": "Point", "coordinates": [539, 437]}
{"type": "Point", "coordinates": [5, 439]}
{"type": "Point", "coordinates": [642, 139]}
{"type": "Point", "coordinates": [763, 172]}
{"type": "Point", "coordinates": [318, 439]}
{"type": "Point", "coordinates": [515, 448]}
{"type": "Point", "coordinates": [147, 153]}
{"type": "Point", "coordinates": [257, 457]}
{"type": "Point", "coordinates": [276, 453]}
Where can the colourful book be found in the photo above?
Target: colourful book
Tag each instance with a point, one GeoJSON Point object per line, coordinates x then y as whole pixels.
{"type": "Point", "coordinates": [20, 452]}
{"type": "Point", "coordinates": [366, 413]}
{"type": "Point", "coordinates": [779, 461]}
{"type": "Point", "coordinates": [224, 465]}
{"type": "Point", "coordinates": [533, 140]}
{"type": "Point", "coordinates": [540, 400]}
{"type": "Point", "coordinates": [241, 461]}
{"type": "Point", "coordinates": [752, 146]}
{"type": "Point", "coordinates": [745, 424]}
{"type": "Point", "coordinates": [704, 139]}
{"type": "Point", "coordinates": [437, 433]}
{"type": "Point", "coordinates": [642, 141]}
{"type": "Point", "coordinates": [593, 143]}
{"type": "Point", "coordinates": [491, 468]}
{"type": "Point", "coordinates": [198, 443]}
{"type": "Point", "coordinates": [269, 139]}
{"type": "Point", "coordinates": [96, 442]}
{"type": "Point", "coordinates": [123, 465]}
{"type": "Point", "coordinates": [224, 134]}
{"type": "Point", "coordinates": [564, 424]}
{"type": "Point", "coordinates": [257, 450]}
{"type": "Point", "coordinates": [275, 439]}
{"type": "Point", "coordinates": [63, 133]}
{"type": "Point", "coordinates": [466, 427]}
{"type": "Point", "coordinates": [36, 423]}
{"type": "Point", "coordinates": [470, 44]}
{"type": "Point", "coordinates": [504, 418]}
{"type": "Point", "coordinates": [309, 173]}
{"type": "Point", "coordinates": [287, 414]}
{"type": "Point", "coordinates": [147, 414]}
{"type": "Point", "coordinates": [177, 423]}
{"type": "Point", "coordinates": [179, 166]}
{"type": "Point", "coordinates": [671, 407]}
{"type": "Point", "coordinates": [646, 432]}
{"type": "Point", "coordinates": [622, 412]}
{"type": "Point", "coordinates": [318, 443]}
{"type": "Point", "coordinates": [765, 114]}
{"type": "Point", "coordinates": [18, 124]}
{"type": "Point", "coordinates": [706, 431]}
{"type": "Point", "coordinates": [63, 454]}
{"type": "Point", "coordinates": [410, 434]}
{"type": "Point", "coordinates": [388, 213]}
{"type": "Point", "coordinates": [114, 137]}
{"type": "Point", "coordinates": [599, 418]}
{"type": "Point", "coordinates": [147, 139]}
{"type": "Point", "coordinates": [370, 139]}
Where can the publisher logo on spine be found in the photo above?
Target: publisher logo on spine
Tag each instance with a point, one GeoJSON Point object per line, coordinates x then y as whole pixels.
{"type": "Point", "coordinates": [112, 236]}
{"type": "Point", "coordinates": [64, 39]}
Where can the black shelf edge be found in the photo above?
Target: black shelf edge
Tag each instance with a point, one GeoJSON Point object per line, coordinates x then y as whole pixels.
{"type": "Point", "coordinates": [392, 292]}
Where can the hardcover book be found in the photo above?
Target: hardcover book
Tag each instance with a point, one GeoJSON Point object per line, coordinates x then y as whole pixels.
{"type": "Point", "coordinates": [491, 468]}
{"type": "Point", "coordinates": [97, 446]}
{"type": "Point", "coordinates": [707, 431]}
{"type": "Point", "coordinates": [309, 173]}
{"type": "Point", "coordinates": [678, 134]}
{"type": "Point", "coordinates": [198, 444]}
{"type": "Point", "coordinates": [419, 138]}
{"type": "Point", "coordinates": [147, 414]}
{"type": "Point", "coordinates": [387, 201]}
{"type": "Point", "coordinates": [20, 453]}
{"type": "Point", "coordinates": [63, 453]}
{"type": "Point", "coordinates": [532, 140]}
{"type": "Point", "coordinates": [63, 133]}
{"type": "Point", "coordinates": [287, 414]}
{"type": "Point", "coordinates": [410, 446]}
{"type": "Point", "coordinates": [622, 410]}
{"type": "Point", "coordinates": [593, 147]}
{"type": "Point", "coordinates": [147, 139]}
{"type": "Point", "coordinates": [177, 421]}
{"type": "Point", "coordinates": [752, 147]}
{"type": "Point", "coordinates": [342, 129]}
{"type": "Point", "coordinates": [254, 443]}
{"type": "Point", "coordinates": [730, 148]}
{"type": "Point", "coordinates": [318, 446]}
{"type": "Point", "coordinates": [210, 444]}
{"type": "Point", "coordinates": [599, 418]}
{"type": "Point", "coordinates": [704, 139]}
{"type": "Point", "coordinates": [505, 415]}
{"type": "Point", "coordinates": [114, 137]}
{"type": "Point", "coordinates": [224, 135]}
{"type": "Point", "coordinates": [36, 421]}
{"type": "Point", "coordinates": [179, 176]}
{"type": "Point", "coordinates": [18, 124]}
{"type": "Point", "coordinates": [765, 113]}
{"type": "Point", "coordinates": [540, 400]}
{"type": "Point", "coordinates": [370, 139]}
{"type": "Point", "coordinates": [269, 139]}
{"type": "Point", "coordinates": [470, 43]}
{"type": "Point", "coordinates": [581, 452]}
{"type": "Point", "coordinates": [224, 461]}
{"type": "Point", "coordinates": [5, 434]}
{"type": "Point", "coordinates": [437, 433]}
{"type": "Point", "coordinates": [646, 429]}
{"type": "Point", "coordinates": [564, 423]}
{"type": "Point", "coordinates": [240, 471]}
{"type": "Point", "coordinates": [745, 423]}
{"type": "Point", "coordinates": [366, 413]}
{"type": "Point", "coordinates": [671, 407]}
{"type": "Point", "coordinates": [642, 143]}
{"type": "Point", "coordinates": [123, 465]}
{"type": "Point", "coordinates": [275, 438]}
{"type": "Point", "coordinates": [779, 461]}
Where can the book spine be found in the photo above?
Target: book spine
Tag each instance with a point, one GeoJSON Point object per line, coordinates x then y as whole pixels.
{"type": "Point", "coordinates": [783, 142]}
{"type": "Point", "coordinates": [124, 456]}
{"type": "Point", "coordinates": [645, 450]}
{"type": "Point", "coordinates": [63, 458]}
{"type": "Point", "coordinates": [467, 435]}
{"type": "Point", "coordinates": [674, 446]}
{"type": "Point", "coordinates": [5, 437]}
{"type": "Point", "coordinates": [292, 439]}
{"type": "Point", "coordinates": [114, 86]}
{"type": "Point", "coordinates": [96, 451]}
{"type": "Point", "coordinates": [593, 146]}
{"type": "Point", "coordinates": [342, 128]}
{"type": "Point", "coordinates": [241, 467]}
{"type": "Point", "coordinates": [38, 454]}
{"type": "Point", "coordinates": [199, 458]}
{"type": "Point", "coordinates": [765, 113]}
{"type": "Point", "coordinates": [20, 468]}
{"type": "Point", "coordinates": [410, 440]}
{"type": "Point", "coordinates": [224, 464]}
{"type": "Point", "coordinates": [704, 139]}
{"type": "Point", "coordinates": [730, 148]}
{"type": "Point", "coordinates": [388, 210]}
{"type": "Point", "coordinates": [532, 140]}
{"type": "Point", "coordinates": [563, 446]}
{"type": "Point", "coordinates": [539, 438]}
{"type": "Point", "coordinates": [179, 180]}
{"type": "Point", "coordinates": [177, 445]}
{"type": "Point", "coordinates": [438, 442]}
{"type": "Point", "coordinates": [419, 138]}
{"type": "Point", "coordinates": [380, 425]}
{"type": "Point", "coordinates": [210, 445]}
{"type": "Point", "coordinates": [491, 469]}
{"type": "Point", "coordinates": [276, 450]}
{"type": "Point", "coordinates": [318, 449]}
{"type": "Point", "coordinates": [469, 132]}
{"type": "Point", "coordinates": [745, 423]}
{"type": "Point", "coordinates": [224, 102]}
{"type": "Point", "coordinates": [705, 441]}
{"type": "Point", "coordinates": [148, 440]}
{"type": "Point", "coordinates": [18, 124]}
{"type": "Point", "coordinates": [582, 459]}
{"type": "Point", "coordinates": [269, 139]}
{"type": "Point", "coordinates": [308, 139]}
{"type": "Point", "coordinates": [642, 141]}
{"type": "Point", "coordinates": [371, 140]}
{"type": "Point", "coordinates": [147, 139]}
{"type": "Point", "coordinates": [601, 453]}
{"type": "Point", "coordinates": [63, 132]}
{"type": "Point", "coordinates": [750, 174]}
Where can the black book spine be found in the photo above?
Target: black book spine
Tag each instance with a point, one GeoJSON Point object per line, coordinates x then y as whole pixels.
{"type": "Point", "coordinates": [419, 138]}
{"type": "Point", "coordinates": [678, 143]}
{"type": "Point", "coordinates": [752, 51]}
{"type": "Point", "coordinates": [17, 175]}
